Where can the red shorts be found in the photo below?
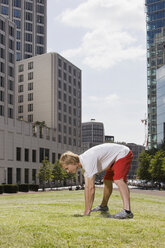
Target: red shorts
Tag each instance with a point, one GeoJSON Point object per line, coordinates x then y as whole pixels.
{"type": "Point", "coordinates": [119, 170]}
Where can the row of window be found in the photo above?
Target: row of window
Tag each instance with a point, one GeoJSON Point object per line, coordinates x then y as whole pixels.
{"type": "Point", "coordinates": [10, 83]}
{"type": "Point", "coordinates": [10, 55]}
{"type": "Point", "coordinates": [10, 112]}
{"type": "Point", "coordinates": [10, 69]}
{"type": "Point", "coordinates": [67, 108]}
{"type": "Point", "coordinates": [43, 153]}
{"type": "Point", "coordinates": [68, 141]}
{"type": "Point", "coordinates": [68, 68]}
{"type": "Point", "coordinates": [30, 97]}
{"type": "Point", "coordinates": [60, 84]}
{"type": "Point", "coordinates": [18, 175]}
{"type": "Point", "coordinates": [21, 87]}
{"type": "Point", "coordinates": [21, 77]}
{"type": "Point", "coordinates": [10, 97]}
{"type": "Point", "coordinates": [21, 108]}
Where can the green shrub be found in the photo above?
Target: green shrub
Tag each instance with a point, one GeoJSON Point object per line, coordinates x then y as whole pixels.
{"type": "Point", "coordinates": [23, 187]}
{"type": "Point", "coordinates": [33, 187]}
{"type": "Point", "coordinates": [10, 188]}
{"type": "Point", "coordinates": [1, 189]}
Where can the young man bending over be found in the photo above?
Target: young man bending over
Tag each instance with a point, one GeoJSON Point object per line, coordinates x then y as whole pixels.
{"type": "Point", "coordinates": [116, 160]}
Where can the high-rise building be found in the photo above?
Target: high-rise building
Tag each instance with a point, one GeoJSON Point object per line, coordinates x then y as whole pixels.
{"type": "Point", "coordinates": [49, 90]}
{"type": "Point", "coordinates": [155, 20]}
{"type": "Point", "coordinates": [30, 18]}
{"type": "Point", "coordinates": [7, 68]}
{"type": "Point", "coordinates": [92, 133]}
{"type": "Point", "coordinates": [160, 92]}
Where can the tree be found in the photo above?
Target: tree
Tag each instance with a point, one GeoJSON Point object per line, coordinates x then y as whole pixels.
{"type": "Point", "coordinates": [157, 166]}
{"type": "Point", "coordinates": [45, 173]}
{"type": "Point", "coordinates": [144, 163]}
{"type": "Point", "coordinates": [58, 173]}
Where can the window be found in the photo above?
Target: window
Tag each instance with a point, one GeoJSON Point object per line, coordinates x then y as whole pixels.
{"type": "Point", "coordinates": [26, 155]}
{"type": "Point", "coordinates": [18, 35]}
{"type": "Point", "coordinates": [20, 109]}
{"type": "Point", "coordinates": [30, 97]}
{"type": "Point", "coordinates": [2, 53]}
{"type": "Point", "coordinates": [30, 65]}
{"type": "Point", "coordinates": [2, 39]}
{"type": "Point", "coordinates": [28, 37]}
{"type": "Point", "coordinates": [18, 153]}
{"type": "Point", "coordinates": [11, 71]}
{"type": "Point", "coordinates": [18, 175]}
{"type": "Point", "coordinates": [28, 26]}
{"type": "Point", "coordinates": [10, 113]}
{"type": "Point", "coordinates": [40, 29]}
{"type": "Point", "coordinates": [20, 68]}
{"type": "Point", "coordinates": [30, 75]}
{"type": "Point", "coordinates": [41, 157]}
{"type": "Point", "coordinates": [34, 172]}
{"type": "Point", "coordinates": [20, 98]}
{"type": "Point", "coordinates": [17, 3]}
{"type": "Point", "coordinates": [2, 67]}
{"type": "Point", "coordinates": [2, 96]}
{"type": "Point", "coordinates": [10, 99]}
{"type": "Point", "coordinates": [20, 78]}
{"type": "Point", "coordinates": [11, 44]}
{"type": "Point", "coordinates": [17, 13]}
{"type": "Point", "coordinates": [11, 58]}
{"type": "Point", "coordinates": [30, 118]}
{"type": "Point", "coordinates": [34, 156]}
{"type": "Point", "coordinates": [9, 175]}
{"type": "Point", "coordinates": [10, 85]}
{"type": "Point", "coordinates": [26, 175]}
{"type": "Point", "coordinates": [2, 80]}
{"type": "Point", "coordinates": [20, 88]}
{"type": "Point", "coordinates": [5, 1]}
{"type": "Point", "coordinates": [30, 86]}
{"type": "Point", "coordinates": [28, 48]}
{"type": "Point", "coordinates": [40, 50]}
{"type": "Point", "coordinates": [30, 107]}
{"type": "Point", "coordinates": [4, 10]}
{"type": "Point", "coordinates": [1, 110]}
{"type": "Point", "coordinates": [40, 40]}
{"type": "Point", "coordinates": [47, 153]}
{"type": "Point", "coordinates": [40, 9]}
{"type": "Point", "coordinates": [2, 25]}
{"type": "Point", "coordinates": [40, 19]}
{"type": "Point", "coordinates": [53, 157]}
{"type": "Point", "coordinates": [29, 6]}
{"type": "Point", "coordinates": [18, 24]}
{"type": "Point", "coordinates": [29, 16]}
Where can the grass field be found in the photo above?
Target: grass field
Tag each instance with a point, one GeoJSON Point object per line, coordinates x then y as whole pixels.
{"type": "Point", "coordinates": [46, 220]}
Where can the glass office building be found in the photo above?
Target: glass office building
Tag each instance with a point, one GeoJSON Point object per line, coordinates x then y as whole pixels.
{"type": "Point", "coordinates": [155, 21]}
{"type": "Point", "coordinates": [30, 17]}
{"type": "Point", "coordinates": [160, 105]}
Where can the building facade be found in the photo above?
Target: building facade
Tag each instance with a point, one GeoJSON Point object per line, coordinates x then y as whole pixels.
{"type": "Point", "coordinates": [155, 22]}
{"type": "Point", "coordinates": [7, 68]}
{"type": "Point", "coordinates": [136, 150]}
{"type": "Point", "coordinates": [30, 18]}
{"type": "Point", "coordinates": [92, 133]}
{"type": "Point", "coordinates": [160, 92]}
{"type": "Point", "coordinates": [49, 90]}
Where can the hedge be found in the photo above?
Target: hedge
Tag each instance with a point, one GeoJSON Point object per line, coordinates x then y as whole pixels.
{"type": "Point", "coordinates": [1, 189]}
{"type": "Point", "coordinates": [23, 187]}
{"type": "Point", "coordinates": [33, 187]}
{"type": "Point", "coordinates": [10, 188]}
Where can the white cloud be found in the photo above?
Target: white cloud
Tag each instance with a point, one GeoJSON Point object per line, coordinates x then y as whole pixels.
{"type": "Point", "coordinates": [112, 31]}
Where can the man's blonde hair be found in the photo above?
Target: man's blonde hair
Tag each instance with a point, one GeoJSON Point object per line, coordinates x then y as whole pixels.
{"type": "Point", "coordinates": [69, 158]}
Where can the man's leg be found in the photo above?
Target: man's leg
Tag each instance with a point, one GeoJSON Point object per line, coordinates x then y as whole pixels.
{"type": "Point", "coordinates": [108, 187]}
{"type": "Point", "coordinates": [124, 192]}
{"type": "Point", "coordinates": [106, 195]}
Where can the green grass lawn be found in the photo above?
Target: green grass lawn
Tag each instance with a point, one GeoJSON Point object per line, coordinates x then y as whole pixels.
{"type": "Point", "coordinates": [45, 220]}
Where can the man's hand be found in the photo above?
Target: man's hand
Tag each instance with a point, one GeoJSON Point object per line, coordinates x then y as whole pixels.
{"type": "Point", "coordinates": [89, 194]}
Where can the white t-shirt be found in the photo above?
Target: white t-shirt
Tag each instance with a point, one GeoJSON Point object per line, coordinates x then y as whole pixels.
{"type": "Point", "coordinates": [100, 157]}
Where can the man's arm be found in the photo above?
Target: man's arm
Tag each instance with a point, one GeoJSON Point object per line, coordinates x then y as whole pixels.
{"type": "Point", "coordinates": [89, 194]}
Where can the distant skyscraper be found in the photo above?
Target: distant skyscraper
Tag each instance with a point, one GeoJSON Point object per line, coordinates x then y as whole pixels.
{"type": "Point", "coordinates": [49, 89]}
{"type": "Point", "coordinates": [30, 17]}
{"type": "Point", "coordinates": [92, 133]}
{"type": "Point", "coordinates": [155, 20]}
{"type": "Point", "coordinates": [7, 68]}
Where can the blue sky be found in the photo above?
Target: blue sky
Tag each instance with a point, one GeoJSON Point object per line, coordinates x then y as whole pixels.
{"type": "Point", "coordinates": [106, 39]}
